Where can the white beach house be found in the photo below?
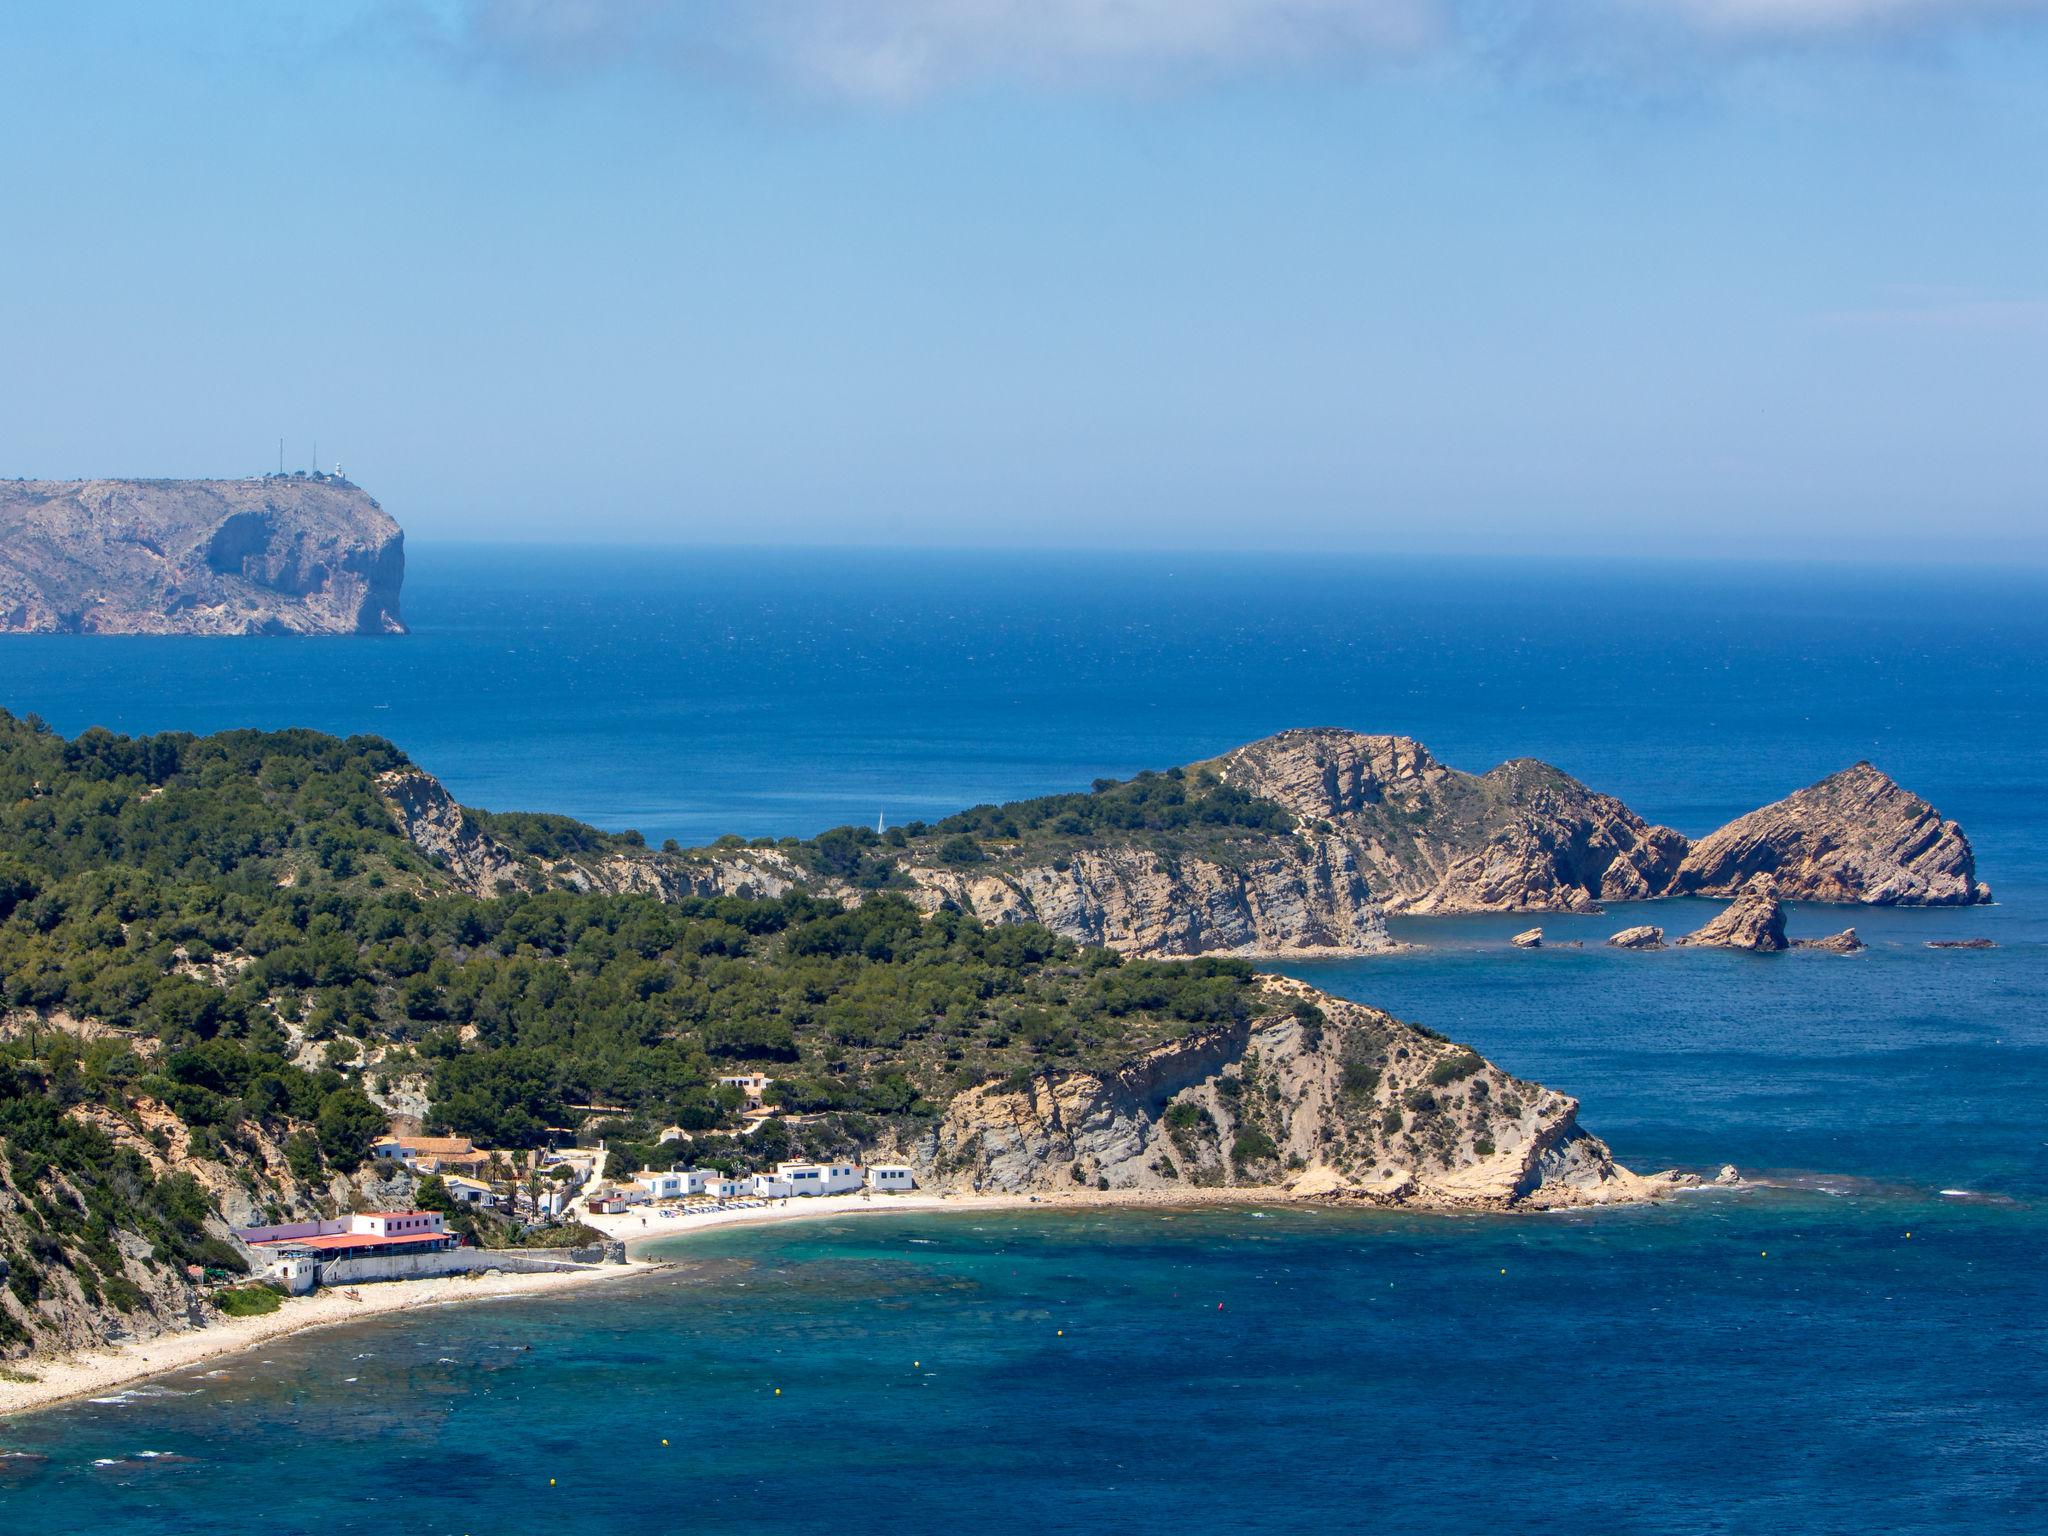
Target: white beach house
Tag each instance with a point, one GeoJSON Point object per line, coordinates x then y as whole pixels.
{"type": "Point", "coordinates": [891, 1176]}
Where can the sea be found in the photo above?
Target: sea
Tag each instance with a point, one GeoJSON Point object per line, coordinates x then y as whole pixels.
{"type": "Point", "coordinates": [1855, 1339]}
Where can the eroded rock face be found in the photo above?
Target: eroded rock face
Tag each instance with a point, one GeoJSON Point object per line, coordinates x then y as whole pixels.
{"type": "Point", "coordinates": [1642, 937]}
{"type": "Point", "coordinates": [1336, 1100]}
{"type": "Point", "coordinates": [198, 557]}
{"type": "Point", "coordinates": [1754, 921]}
{"type": "Point", "coordinates": [1133, 900]}
{"type": "Point", "coordinates": [433, 823]}
{"type": "Point", "coordinates": [1856, 836]}
{"type": "Point", "coordinates": [1522, 837]}
{"type": "Point", "coordinates": [1528, 938]}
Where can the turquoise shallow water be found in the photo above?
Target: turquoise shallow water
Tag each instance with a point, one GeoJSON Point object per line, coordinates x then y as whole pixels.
{"type": "Point", "coordinates": [1632, 1371]}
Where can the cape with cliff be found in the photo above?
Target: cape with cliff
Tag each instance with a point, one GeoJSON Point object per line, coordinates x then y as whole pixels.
{"type": "Point", "coordinates": [276, 555]}
{"type": "Point", "coordinates": [230, 962]}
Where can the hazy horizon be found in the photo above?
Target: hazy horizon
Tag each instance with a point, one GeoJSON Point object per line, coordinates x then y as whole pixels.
{"type": "Point", "coordinates": [1646, 278]}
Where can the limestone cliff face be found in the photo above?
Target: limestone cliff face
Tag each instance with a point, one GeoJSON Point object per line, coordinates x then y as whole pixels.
{"type": "Point", "coordinates": [1318, 1096]}
{"type": "Point", "coordinates": [198, 557]}
{"type": "Point", "coordinates": [1856, 836]}
{"type": "Point", "coordinates": [1521, 838]}
{"type": "Point", "coordinates": [1306, 897]}
{"type": "Point", "coordinates": [433, 823]}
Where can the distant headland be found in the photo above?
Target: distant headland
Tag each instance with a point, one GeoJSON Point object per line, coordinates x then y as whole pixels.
{"type": "Point", "coordinates": [297, 554]}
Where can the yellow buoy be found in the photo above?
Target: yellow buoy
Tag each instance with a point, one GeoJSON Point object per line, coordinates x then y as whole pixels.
{"type": "Point", "coordinates": [778, 1391]}
{"type": "Point", "coordinates": [551, 1482]}
{"type": "Point", "coordinates": [1063, 1333]}
{"type": "Point", "coordinates": [664, 1442]}
{"type": "Point", "coordinates": [915, 1364]}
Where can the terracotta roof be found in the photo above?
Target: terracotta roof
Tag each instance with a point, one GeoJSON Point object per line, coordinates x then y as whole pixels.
{"type": "Point", "coordinates": [355, 1240]}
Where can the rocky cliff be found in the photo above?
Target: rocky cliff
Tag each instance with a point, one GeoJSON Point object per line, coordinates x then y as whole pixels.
{"type": "Point", "coordinates": [1522, 837]}
{"type": "Point", "coordinates": [1316, 1096]}
{"type": "Point", "coordinates": [274, 556]}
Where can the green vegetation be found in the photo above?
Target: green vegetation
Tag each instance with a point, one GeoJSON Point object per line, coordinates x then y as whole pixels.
{"type": "Point", "coordinates": [269, 949]}
{"type": "Point", "coordinates": [249, 1301]}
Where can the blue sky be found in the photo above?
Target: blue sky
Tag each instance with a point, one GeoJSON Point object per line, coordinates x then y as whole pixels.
{"type": "Point", "coordinates": [1616, 276]}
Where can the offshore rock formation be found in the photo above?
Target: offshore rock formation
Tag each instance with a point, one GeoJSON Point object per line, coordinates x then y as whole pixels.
{"type": "Point", "coordinates": [1754, 921]}
{"type": "Point", "coordinates": [1843, 943]}
{"type": "Point", "coordinates": [1854, 836]}
{"type": "Point", "coordinates": [276, 556]}
{"type": "Point", "coordinates": [1528, 938]}
{"type": "Point", "coordinates": [1318, 1096]}
{"type": "Point", "coordinates": [1642, 937]}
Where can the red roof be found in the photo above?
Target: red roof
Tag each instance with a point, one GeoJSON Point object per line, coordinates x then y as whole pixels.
{"type": "Point", "coordinates": [355, 1240]}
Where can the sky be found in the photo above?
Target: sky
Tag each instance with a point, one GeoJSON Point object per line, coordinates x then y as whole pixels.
{"type": "Point", "coordinates": [1752, 278]}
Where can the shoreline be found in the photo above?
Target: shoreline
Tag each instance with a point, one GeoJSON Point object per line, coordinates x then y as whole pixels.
{"type": "Point", "coordinates": [113, 1368]}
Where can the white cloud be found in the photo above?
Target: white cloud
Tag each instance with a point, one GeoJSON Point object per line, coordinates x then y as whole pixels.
{"type": "Point", "coordinates": [892, 49]}
{"type": "Point", "coordinates": [899, 48]}
{"type": "Point", "coordinates": [1813, 18]}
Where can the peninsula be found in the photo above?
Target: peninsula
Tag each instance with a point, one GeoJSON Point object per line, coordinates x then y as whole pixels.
{"type": "Point", "coordinates": [1295, 845]}
{"type": "Point", "coordinates": [278, 555]}
{"type": "Point", "coordinates": [259, 981]}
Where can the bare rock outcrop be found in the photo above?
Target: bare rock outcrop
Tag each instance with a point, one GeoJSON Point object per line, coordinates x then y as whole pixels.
{"type": "Point", "coordinates": [1297, 899]}
{"type": "Point", "coordinates": [1843, 943]}
{"type": "Point", "coordinates": [433, 823]}
{"type": "Point", "coordinates": [272, 556]}
{"type": "Point", "coordinates": [1528, 938]}
{"type": "Point", "coordinates": [1856, 836]}
{"type": "Point", "coordinates": [1641, 937]}
{"type": "Point", "coordinates": [1317, 1096]}
{"type": "Point", "coordinates": [1522, 837]}
{"type": "Point", "coordinates": [1754, 921]}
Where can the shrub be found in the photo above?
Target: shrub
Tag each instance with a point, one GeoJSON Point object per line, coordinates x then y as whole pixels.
{"type": "Point", "coordinates": [1253, 1146]}
{"type": "Point", "coordinates": [249, 1301]}
{"type": "Point", "coordinates": [1459, 1064]}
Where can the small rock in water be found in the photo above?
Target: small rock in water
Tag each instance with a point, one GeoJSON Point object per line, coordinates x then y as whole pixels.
{"type": "Point", "coordinates": [1843, 943]}
{"type": "Point", "coordinates": [1641, 937]}
{"type": "Point", "coordinates": [1960, 944]}
{"type": "Point", "coordinates": [1727, 1175]}
{"type": "Point", "coordinates": [1528, 938]}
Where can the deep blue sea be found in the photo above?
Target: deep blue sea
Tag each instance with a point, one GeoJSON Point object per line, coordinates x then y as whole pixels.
{"type": "Point", "coordinates": [1858, 1345]}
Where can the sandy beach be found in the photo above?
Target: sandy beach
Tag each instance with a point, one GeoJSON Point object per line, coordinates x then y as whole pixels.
{"type": "Point", "coordinates": [101, 1372]}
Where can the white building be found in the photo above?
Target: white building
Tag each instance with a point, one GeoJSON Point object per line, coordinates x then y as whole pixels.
{"type": "Point", "coordinates": [719, 1186]}
{"type": "Point", "coordinates": [808, 1179]}
{"type": "Point", "coordinates": [891, 1176]}
{"type": "Point", "coordinates": [664, 1186]}
{"type": "Point", "coordinates": [471, 1191]}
